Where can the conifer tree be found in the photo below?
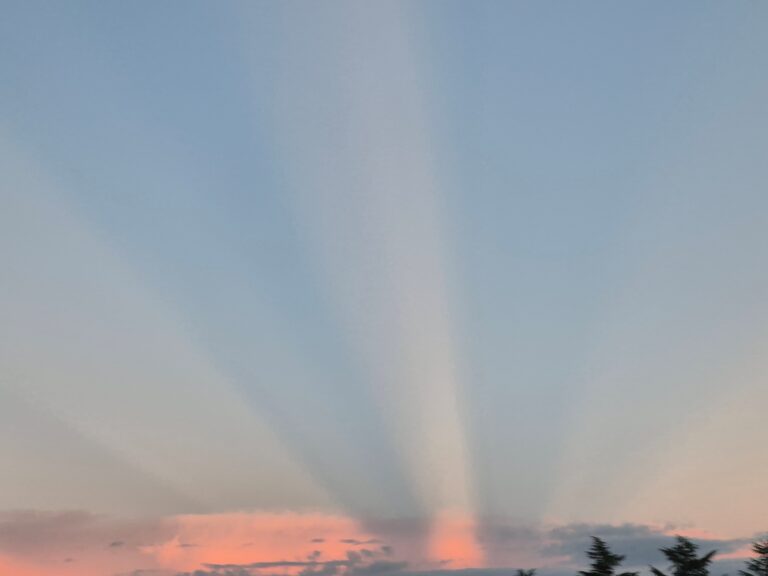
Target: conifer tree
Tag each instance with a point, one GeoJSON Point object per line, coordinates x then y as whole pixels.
{"type": "Point", "coordinates": [604, 562]}
{"type": "Point", "coordinates": [523, 572]}
{"type": "Point", "coordinates": [757, 566]}
{"type": "Point", "coordinates": [684, 559]}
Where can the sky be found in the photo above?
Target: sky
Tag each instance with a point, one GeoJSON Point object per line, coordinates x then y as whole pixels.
{"type": "Point", "coordinates": [346, 288]}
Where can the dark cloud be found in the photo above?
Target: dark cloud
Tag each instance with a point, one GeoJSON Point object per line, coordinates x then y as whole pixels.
{"type": "Point", "coordinates": [375, 569]}
{"type": "Point", "coordinates": [723, 567]}
{"type": "Point", "coordinates": [357, 562]}
{"type": "Point", "coordinates": [564, 547]}
{"type": "Point", "coordinates": [317, 540]}
{"type": "Point", "coordinates": [380, 567]}
{"type": "Point", "coordinates": [355, 542]}
{"type": "Point", "coordinates": [354, 564]}
{"type": "Point", "coordinates": [354, 557]}
{"type": "Point", "coordinates": [640, 544]}
{"type": "Point", "coordinates": [309, 567]}
{"type": "Point", "coordinates": [476, 572]}
{"type": "Point", "coordinates": [235, 571]}
{"type": "Point", "coordinates": [53, 535]}
{"type": "Point", "coordinates": [495, 530]}
{"type": "Point", "coordinates": [272, 564]}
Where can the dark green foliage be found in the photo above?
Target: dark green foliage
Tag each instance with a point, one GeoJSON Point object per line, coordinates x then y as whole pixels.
{"type": "Point", "coordinates": [604, 562]}
{"type": "Point", "coordinates": [684, 559]}
{"type": "Point", "coordinates": [757, 566]}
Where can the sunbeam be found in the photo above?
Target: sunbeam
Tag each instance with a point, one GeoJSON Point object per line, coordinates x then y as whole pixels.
{"type": "Point", "coordinates": [383, 288]}
{"type": "Point", "coordinates": [154, 399]}
{"type": "Point", "coordinates": [378, 227]}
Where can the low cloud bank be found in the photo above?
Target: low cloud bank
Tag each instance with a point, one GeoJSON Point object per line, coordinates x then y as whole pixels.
{"type": "Point", "coordinates": [263, 544]}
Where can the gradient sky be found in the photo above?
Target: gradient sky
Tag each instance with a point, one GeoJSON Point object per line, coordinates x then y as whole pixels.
{"type": "Point", "coordinates": [455, 279]}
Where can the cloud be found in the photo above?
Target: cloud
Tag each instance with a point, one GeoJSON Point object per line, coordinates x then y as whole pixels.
{"type": "Point", "coordinates": [401, 569]}
{"type": "Point", "coordinates": [554, 547]}
{"type": "Point", "coordinates": [44, 543]}
{"type": "Point", "coordinates": [381, 567]}
{"type": "Point", "coordinates": [640, 543]}
{"type": "Point", "coordinates": [356, 563]}
{"type": "Point", "coordinates": [51, 534]}
{"type": "Point", "coordinates": [556, 550]}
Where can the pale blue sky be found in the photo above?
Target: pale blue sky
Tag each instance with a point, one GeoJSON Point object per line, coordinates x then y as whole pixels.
{"type": "Point", "coordinates": [386, 258]}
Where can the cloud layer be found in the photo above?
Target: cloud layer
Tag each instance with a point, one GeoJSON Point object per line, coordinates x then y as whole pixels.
{"type": "Point", "coordinates": [263, 544]}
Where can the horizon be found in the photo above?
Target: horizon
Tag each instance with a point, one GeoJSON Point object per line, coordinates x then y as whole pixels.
{"type": "Point", "coordinates": [380, 287]}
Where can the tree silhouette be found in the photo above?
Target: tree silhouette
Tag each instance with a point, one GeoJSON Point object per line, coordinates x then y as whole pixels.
{"type": "Point", "coordinates": [757, 566]}
{"type": "Point", "coordinates": [529, 572]}
{"type": "Point", "coordinates": [684, 559]}
{"type": "Point", "coordinates": [604, 562]}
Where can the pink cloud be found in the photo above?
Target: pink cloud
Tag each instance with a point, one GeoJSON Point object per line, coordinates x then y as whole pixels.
{"type": "Point", "coordinates": [47, 544]}
{"type": "Point", "coordinates": [287, 544]}
{"type": "Point", "coordinates": [453, 538]}
{"type": "Point", "coordinates": [245, 538]}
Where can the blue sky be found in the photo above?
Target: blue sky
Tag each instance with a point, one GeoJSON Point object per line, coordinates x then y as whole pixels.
{"type": "Point", "coordinates": [386, 259]}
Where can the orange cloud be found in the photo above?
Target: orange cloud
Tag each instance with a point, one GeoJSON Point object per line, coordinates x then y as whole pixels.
{"type": "Point", "coordinates": [187, 543]}
{"type": "Point", "coordinates": [17, 567]}
{"type": "Point", "coordinates": [245, 538]}
{"type": "Point", "coordinates": [47, 544]}
{"type": "Point", "coordinates": [453, 539]}
{"type": "Point", "coordinates": [80, 544]}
